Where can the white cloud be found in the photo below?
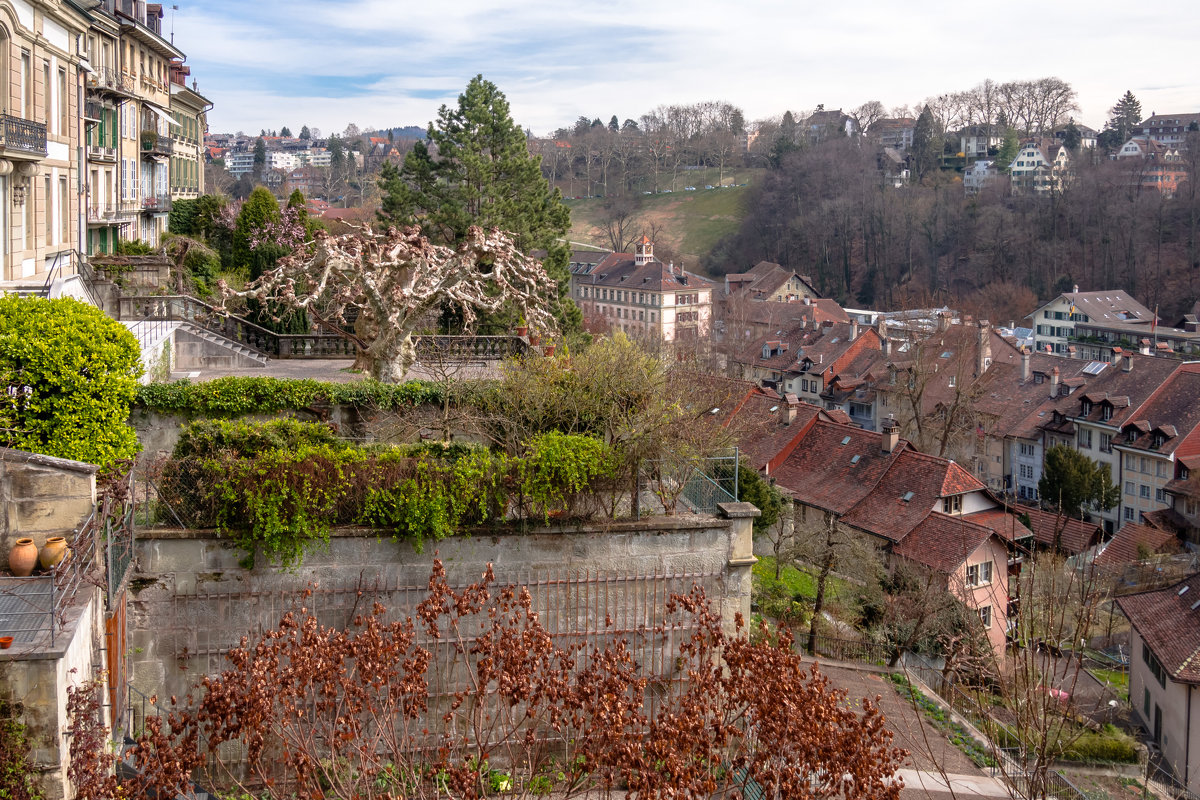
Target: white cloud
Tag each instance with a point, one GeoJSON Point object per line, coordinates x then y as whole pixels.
{"type": "Point", "coordinates": [558, 62]}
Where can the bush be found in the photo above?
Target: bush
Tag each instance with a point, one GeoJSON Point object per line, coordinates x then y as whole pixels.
{"type": "Point", "coordinates": [234, 396]}
{"type": "Point", "coordinates": [1109, 745]}
{"type": "Point", "coordinates": [71, 373]}
{"type": "Point", "coordinates": [282, 485]}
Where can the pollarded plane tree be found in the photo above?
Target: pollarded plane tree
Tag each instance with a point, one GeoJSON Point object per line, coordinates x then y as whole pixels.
{"type": "Point", "coordinates": [398, 280]}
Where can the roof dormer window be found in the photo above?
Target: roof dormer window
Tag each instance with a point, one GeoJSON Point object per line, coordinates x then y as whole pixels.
{"type": "Point", "coordinates": [1086, 407]}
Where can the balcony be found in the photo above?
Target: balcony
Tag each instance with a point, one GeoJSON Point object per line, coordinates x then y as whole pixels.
{"type": "Point", "coordinates": [156, 146]}
{"type": "Point", "coordinates": [107, 79]}
{"type": "Point", "coordinates": [157, 204]}
{"type": "Point", "coordinates": [22, 138]}
{"type": "Point", "coordinates": [105, 154]}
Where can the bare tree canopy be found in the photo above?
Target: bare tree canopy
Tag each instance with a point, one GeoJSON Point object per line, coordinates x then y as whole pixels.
{"type": "Point", "coordinates": [396, 281]}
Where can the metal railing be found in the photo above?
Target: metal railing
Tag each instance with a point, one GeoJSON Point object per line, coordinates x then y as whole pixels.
{"type": "Point", "coordinates": [161, 202]}
{"type": "Point", "coordinates": [97, 152]}
{"type": "Point", "coordinates": [23, 134]}
{"type": "Point", "coordinates": [38, 603]}
{"type": "Point", "coordinates": [154, 143]}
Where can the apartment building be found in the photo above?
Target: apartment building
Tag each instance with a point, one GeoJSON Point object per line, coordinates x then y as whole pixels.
{"type": "Point", "coordinates": [1055, 322]}
{"type": "Point", "coordinates": [41, 80]}
{"type": "Point", "coordinates": [188, 115]}
{"type": "Point", "coordinates": [640, 295]}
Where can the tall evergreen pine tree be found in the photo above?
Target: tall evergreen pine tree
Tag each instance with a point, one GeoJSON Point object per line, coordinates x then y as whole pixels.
{"type": "Point", "coordinates": [483, 174]}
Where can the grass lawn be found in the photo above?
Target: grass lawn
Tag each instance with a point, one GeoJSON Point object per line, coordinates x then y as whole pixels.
{"type": "Point", "coordinates": [691, 222]}
{"type": "Point", "coordinates": [1119, 681]}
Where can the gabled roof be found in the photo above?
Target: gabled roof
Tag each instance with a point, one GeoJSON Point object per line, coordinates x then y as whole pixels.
{"type": "Point", "coordinates": [822, 471]}
{"type": "Point", "coordinates": [1170, 414]}
{"type": "Point", "coordinates": [1130, 539]}
{"type": "Point", "coordinates": [1168, 620]}
{"type": "Point", "coordinates": [1069, 535]}
{"type": "Point", "coordinates": [907, 492]}
{"type": "Point", "coordinates": [942, 542]}
{"type": "Point", "coordinates": [1125, 391]}
{"type": "Point", "coordinates": [1110, 305]}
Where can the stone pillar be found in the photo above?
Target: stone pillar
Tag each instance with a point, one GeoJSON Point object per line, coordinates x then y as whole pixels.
{"type": "Point", "coordinates": [738, 579]}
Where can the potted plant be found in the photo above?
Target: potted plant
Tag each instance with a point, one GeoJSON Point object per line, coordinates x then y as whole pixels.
{"type": "Point", "coordinates": [522, 328]}
{"type": "Point", "coordinates": [535, 338]}
{"type": "Point", "coordinates": [548, 350]}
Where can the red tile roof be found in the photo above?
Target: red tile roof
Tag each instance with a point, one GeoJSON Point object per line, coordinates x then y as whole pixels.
{"type": "Point", "coordinates": [1130, 539]}
{"type": "Point", "coordinates": [1071, 535]}
{"type": "Point", "coordinates": [942, 542]}
{"type": "Point", "coordinates": [1168, 620]}
{"type": "Point", "coordinates": [821, 471]}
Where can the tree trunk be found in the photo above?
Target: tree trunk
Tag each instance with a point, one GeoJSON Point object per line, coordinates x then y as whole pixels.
{"type": "Point", "coordinates": [819, 603]}
{"type": "Point", "coordinates": [394, 358]}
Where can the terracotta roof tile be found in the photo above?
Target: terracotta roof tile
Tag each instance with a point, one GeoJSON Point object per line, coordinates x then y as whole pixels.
{"type": "Point", "coordinates": [1168, 620]}
{"type": "Point", "coordinates": [1072, 536]}
{"type": "Point", "coordinates": [942, 542]}
{"type": "Point", "coordinates": [1130, 539]}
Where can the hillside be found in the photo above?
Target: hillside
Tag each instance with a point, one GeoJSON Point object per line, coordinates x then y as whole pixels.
{"type": "Point", "coordinates": [684, 224]}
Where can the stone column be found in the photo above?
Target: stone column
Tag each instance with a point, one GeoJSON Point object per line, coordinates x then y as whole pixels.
{"type": "Point", "coordinates": [738, 580]}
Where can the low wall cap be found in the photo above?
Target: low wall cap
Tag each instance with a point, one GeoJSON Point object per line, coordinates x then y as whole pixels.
{"type": "Point", "coordinates": [739, 510]}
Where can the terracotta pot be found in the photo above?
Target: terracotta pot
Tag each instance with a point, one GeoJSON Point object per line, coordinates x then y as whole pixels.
{"type": "Point", "coordinates": [535, 339]}
{"type": "Point", "coordinates": [548, 350]}
{"type": "Point", "coordinates": [5, 642]}
{"type": "Point", "coordinates": [522, 331]}
{"type": "Point", "coordinates": [22, 558]}
{"type": "Point", "coordinates": [53, 551]}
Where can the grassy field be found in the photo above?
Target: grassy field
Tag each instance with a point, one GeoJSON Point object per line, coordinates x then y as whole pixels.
{"type": "Point", "coordinates": [691, 223]}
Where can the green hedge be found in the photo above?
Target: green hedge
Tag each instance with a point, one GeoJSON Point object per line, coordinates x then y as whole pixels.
{"type": "Point", "coordinates": [1109, 745]}
{"type": "Point", "coordinates": [233, 396]}
{"type": "Point", "coordinates": [282, 485]}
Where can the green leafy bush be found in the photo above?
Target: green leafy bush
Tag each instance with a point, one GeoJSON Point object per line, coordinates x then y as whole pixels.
{"type": "Point", "coordinates": [557, 467]}
{"type": "Point", "coordinates": [282, 485]}
{"type": "Point", "coordinates": [18, 774]}
{"type": "Point", "coordinates": [235, 396]}
{"type": "Point", "coordinates": [70, 373]}
{"type": "Point", "coordinates": [1108, 745]}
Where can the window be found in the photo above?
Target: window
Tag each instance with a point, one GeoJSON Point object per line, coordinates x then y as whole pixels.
{"type": "Point", "coordinates": [952, 505]}
{"type": "Point", "coordinates": [1146, 702]}
{"type": "Point", "coordinates": [985, 616]}
{"type": "Point", "coordinates": [979, 574]}
{"type": "Point", "coordinates": [1106, 411]}
{"type": "Point", "coordinates": [63, 122]}
{"type": "Point", "coordinates": [1105, 443]}
{"type": "Point", "coordinates": [1144, 491]}
{"type": "Point", "coordinates": [47, 95]}
{"type": "Point", "coordinates": [1145, 465]}
{"type": "Point", "coordinates": [1086, 407]}
{"type": "Point", "coordinates": [1156, 667]}
{"type": "Point", "coordinates": [1160, 469]}
{"type": "Point", "coordinates": [1160, 496]}
{"type": "Point", "coordinates": [1130, 489]}
{"type": "Point", "coordinates": [1026, 449]}
{"type": "Point", "coordinates": [1130, 461]}
{"type": "Point", "coordinates": [1128, 514]}
{"type": "Point", "coordinates": [64, 210]}
{"type": "Point", "coordinates": [49, 212]}
{"type": "Point", "coordinates": [1085, 439]}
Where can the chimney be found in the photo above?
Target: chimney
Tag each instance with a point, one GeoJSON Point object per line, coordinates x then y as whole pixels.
{"type": "Point", "coordinates": [807, 300]}
{"type": "Point", "coordinates": [1144, 349]}
{"type": "Point", "coordinates": [891, 434]}
{"type": "Point", "coordinates": [1054, 382]}
{"type": "Point", "coordinates": [853, 328]}
{"type": "Point", "coordinates": [943, 320]}
{"type": "Point", "coordinates": [1075, 289]}
{"type": "Point", "coordinates": [793, 405]}
{"type": "Point", "coordinates": [886, 346]}
{"type": "Point", "coordinates": [1127, 364]}
{"type": "Point", "coordinates": [984, 358]}
{"type": "Point", "coordinates": [1024, 365]}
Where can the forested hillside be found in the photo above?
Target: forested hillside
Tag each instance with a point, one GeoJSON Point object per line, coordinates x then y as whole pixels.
{"type": "Point", "coordinates": [826, 211]}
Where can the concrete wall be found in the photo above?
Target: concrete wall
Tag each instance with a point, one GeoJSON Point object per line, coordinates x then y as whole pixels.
{"type": "Point", "coordinates": [42, 496]}
{"type": "Point", "coordinates": [190, 600]}
{"type": "Point", "coordinates": [195, 353]}
{"type": "Point", "coordinates": [34, 680]}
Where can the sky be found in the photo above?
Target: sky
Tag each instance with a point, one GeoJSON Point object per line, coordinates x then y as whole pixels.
{"type": "Point", "coordinates": [385, 63]}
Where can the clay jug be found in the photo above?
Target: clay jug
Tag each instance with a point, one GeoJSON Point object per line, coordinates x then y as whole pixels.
{"type": "Point", "coordinates": [22, 558]}
{"type": "Point", "coordinates": [52, 552]}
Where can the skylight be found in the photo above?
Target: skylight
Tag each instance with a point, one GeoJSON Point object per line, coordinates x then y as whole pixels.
{"type": "Point", "coordinates": [1183, 591]}
{"type": "Point", "coordinates": [846, 440]}
{"type": "Point", "coordinates": [773, 409]}
{"type": "Point", "coordinates": [907, 496]}
{"type": "Point", "coordinates": [1095, 368]}
{"type": "Point", "coordinates": [946, 354]}
{"type": "Point", "coordinates": [855, 459]}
